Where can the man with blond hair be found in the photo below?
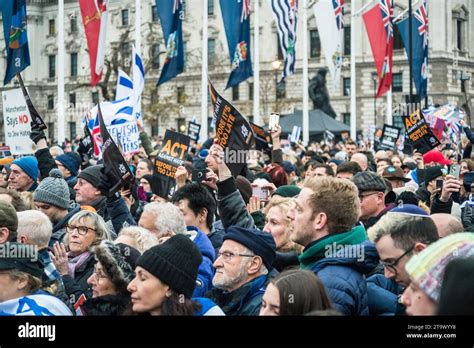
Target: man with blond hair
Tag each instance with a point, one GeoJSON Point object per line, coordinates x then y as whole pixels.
{"type": "Point", "coordinates": [324, 220]}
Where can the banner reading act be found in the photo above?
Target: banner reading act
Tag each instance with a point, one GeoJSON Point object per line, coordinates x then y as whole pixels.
{"type": "Point", "coordinates": [171, 156]}
{"type": "Point", "coordinates": [419, 132]}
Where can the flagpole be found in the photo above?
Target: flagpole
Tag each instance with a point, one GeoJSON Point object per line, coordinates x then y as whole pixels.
{"type": "Point", "coordinates": [410, 45]}
{"type": "Point", "coordinates": [305, 74]}
{"type": "Point", "coordinates": [61, 135]}
{"type": "Point", "coordinates": [389, 107]}
{"type": "Point", "coordinates": [204, 89]}
{"type": "Point", "coordinates": [138, 24]}
{"type": "Point", "coordinates": [353, 74]}
{"type": "Point", "coordinates": [256, 60]}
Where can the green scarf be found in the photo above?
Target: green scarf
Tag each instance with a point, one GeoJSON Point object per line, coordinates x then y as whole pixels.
{"type": "Point", "coordinates": [317, 251]}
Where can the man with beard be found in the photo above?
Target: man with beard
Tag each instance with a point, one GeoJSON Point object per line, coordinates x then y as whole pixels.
{"type": "Point", "coordinates": [242, 270]}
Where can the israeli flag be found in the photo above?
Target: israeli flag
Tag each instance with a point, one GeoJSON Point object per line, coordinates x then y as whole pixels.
{"type": "Point", "coordinates": [124, 86]}
{"type": "Point", "coordinates": [34, 305]}
{"type": "Point", "coordinates": [138, 84]}
{"type": "Point", "coordinates": [295, 134]}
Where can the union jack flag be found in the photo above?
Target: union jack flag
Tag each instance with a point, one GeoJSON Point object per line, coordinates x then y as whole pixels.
{"type": "Point", "coordinates": [422, 16]}
{"type": "Point", "coordinates": [245, 10]}
{"type": "Point", "coordinates": [386, 9]}
{"type": "Point", "coordinates": [339, 12]}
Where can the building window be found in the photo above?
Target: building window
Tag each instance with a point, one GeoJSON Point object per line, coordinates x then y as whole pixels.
{"type": "Point", "coordinates": [51, 130]}
{"type": "Point", "coordinates": [459, 34]}
{"type": "Point", "coordinates": [346, 118]}
{"type": "Point", "coordinates": [235, 92]}
{"type": "Point", "coordinates": [154, 14]}
{"type": "Point", "coordinates": [52, 66]}
{"type": "Point", "coordinates": [211, 51]}
{"type": "Point", "coordinates": [347, 40]}
{"type": "Point", "coordinates": [210, 126]}
{"type": "Point", "coordinates": [397, 82]}
{"type": "Point", "coordinates": [155, 59]}
{"type": "Point", "coordinates": [72, 100]}
{"type": "Point", "coordinates": [125, 18]}
{"type": "Point", "coordinates": [397, 39]}
{"type": "Point", "coordinates": [50, 102]}
{"type": "Point", "coordinates": [73, 23]}
{"type": "Point", "coordinates": [181, 92]}
{"type": "Point", "coordinates": [95, 98]}
{"type": "Point", "coordinates": [210, 7]}
{"type": "Point", "coordinates": [181, 125]}
{"type": "Point", "coordinates": [72, 130]}
{"type": "Point", "coordinates": [280, 52]}
{"type": "Point", "coordinates": [52, 27]}
{"type": "Point", "coordinates": [125, 51]}
{"type": "Point", "coordinates": [250, 90]}
{"type": "Point", "coordinates": [314, 44]}
{"type": "Point", "coordinates": [346, 86]}
{"type": "Point", "coordinates": [73, 64]}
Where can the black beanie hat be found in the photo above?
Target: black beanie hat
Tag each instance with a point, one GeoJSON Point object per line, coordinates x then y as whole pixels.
{"type": "Point", "coordinates": [175, 263]}
{"type": "Point", "coordinates": [261, 243]}
{"type": "Point", "coordinates": [91, 175]}
{"type": "Point", "coordinates": [432, 173]}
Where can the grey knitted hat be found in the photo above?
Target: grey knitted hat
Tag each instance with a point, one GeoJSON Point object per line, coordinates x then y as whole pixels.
{"type": "Point", "coordinates": [53, 190]}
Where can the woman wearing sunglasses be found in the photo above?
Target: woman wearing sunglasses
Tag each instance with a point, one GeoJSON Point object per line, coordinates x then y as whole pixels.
{"type": "Point", "coordinates": [74, 259]}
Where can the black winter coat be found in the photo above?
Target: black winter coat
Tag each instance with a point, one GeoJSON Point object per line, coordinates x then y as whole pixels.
{"type": "Point", "coordinates": [109, 305]}
{"type": "Point", "coordinates": [77, 286]}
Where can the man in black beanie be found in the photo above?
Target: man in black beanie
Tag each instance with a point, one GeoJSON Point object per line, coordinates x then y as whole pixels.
{"type": "Point", "coordinates": [92, 190]}
{"type": "Point", "coordinates": [242, 269]}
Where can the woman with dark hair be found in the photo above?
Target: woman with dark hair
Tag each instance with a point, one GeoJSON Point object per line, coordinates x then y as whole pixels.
{"type": "Point", "coordinates": [165, 278]}
{"type": "Point", "coordinates": [113, 272]}
{"type": "Point", "coordinates": [294, 292]}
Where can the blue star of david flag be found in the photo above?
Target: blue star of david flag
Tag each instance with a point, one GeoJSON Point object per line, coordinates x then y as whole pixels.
{"type": "Point", "coordinates": [16, 38]}
{"type": "Point", "coordinates": [171, 18]}
{"type": "Point", "coordinates": [236, 16]}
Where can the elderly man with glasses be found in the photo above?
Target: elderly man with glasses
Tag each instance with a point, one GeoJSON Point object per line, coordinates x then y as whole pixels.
{"type": "Point", "coordinates": [243, 265]}
{"type": "Point", "coordinates": [401, 233]}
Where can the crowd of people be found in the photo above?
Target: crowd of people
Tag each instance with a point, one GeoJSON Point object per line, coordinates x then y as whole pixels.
{"type": "Point", "coordinates": [337, 228]}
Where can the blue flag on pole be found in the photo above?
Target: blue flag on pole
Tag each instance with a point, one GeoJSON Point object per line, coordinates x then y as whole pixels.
{"type": "Point", "coordinates": [171, 17]}
{"type": "Point", "coordinates": [420, 47]}
{"type": "Point", "coordinates": [236, 16]}
{"type": "Point", "coordinates": [16, 38]}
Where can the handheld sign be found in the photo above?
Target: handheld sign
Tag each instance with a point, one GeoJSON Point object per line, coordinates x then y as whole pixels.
{"type": "Point", "coordinates": [419, 132]}
{"type": "Point", "coordinates": [193, 130]}
{"type": "Point", "coordinates": [172, 155]}
{"type": "Point", "coordinates": [233, 132]}
{"type": "Point", "coordinates": [388, 140]}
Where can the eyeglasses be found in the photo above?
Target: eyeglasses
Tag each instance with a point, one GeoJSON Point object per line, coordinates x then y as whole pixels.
{"type": "Point", "coordinates": [98, 275]}
{"type": "Point", "coordinates": [82, 230]}
{"type": "Point", "coordinates": [391, 266]}
{"type": "Point", "coordinates": [227, 255]}
{"type": "Point", "coordinates": [361, 196]}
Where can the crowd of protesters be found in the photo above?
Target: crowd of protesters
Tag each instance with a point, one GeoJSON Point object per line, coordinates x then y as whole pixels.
{"type": "Point", "coordinates": [336, 228]}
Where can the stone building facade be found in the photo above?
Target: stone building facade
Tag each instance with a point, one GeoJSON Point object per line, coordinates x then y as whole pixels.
{"type": "Point", "coordinates": [179, 100]}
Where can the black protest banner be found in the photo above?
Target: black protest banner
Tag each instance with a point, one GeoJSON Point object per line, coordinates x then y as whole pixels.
{"type": "Point", "coordinates": [261, 137]}
{"type": "Point", "coordinates": [388, 140]}
{"type": "Point", "coordinates": [87, 142]}
{"type": "Point", "coordinates": [233, 132]}
{"type": "Point", "coordinates": [115, 166]}
{"type": "Point", "coordinates": [36, 120]}
{"type": "Point", "coordinates": [193, 130]}
{"type": "Point", "coordinates": [172, 155]}
{"type": "Point", "coordinates": [419, 132]}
